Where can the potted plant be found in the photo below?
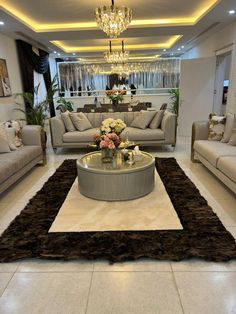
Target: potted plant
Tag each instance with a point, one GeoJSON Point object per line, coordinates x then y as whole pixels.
{"type": "Point", "coordinates": [64, 105]}
{"type": "Point", "coordinates": [175, 101]}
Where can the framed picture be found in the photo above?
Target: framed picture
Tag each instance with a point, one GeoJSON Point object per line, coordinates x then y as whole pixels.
{"type": "Point", "coordinates": [5, 88]}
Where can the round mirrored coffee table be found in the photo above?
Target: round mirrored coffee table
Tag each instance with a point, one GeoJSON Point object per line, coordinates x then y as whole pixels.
{"type": "Point", "coordinates": [116, 181]}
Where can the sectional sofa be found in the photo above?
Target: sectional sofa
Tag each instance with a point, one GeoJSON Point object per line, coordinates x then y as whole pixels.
{"type": "Point", "coordinates": [164, 135]}
{"type": "Point", "coordinates": [218, 157]}
{"type": "Point", "coordinates": [14, 164]}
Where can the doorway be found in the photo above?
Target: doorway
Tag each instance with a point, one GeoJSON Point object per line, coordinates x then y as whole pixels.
{"type": "Point", "coordinates": [222, 75]}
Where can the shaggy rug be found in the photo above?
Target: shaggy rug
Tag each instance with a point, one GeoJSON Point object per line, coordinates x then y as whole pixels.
{"type": "Point", "coordinates": [203, 234]}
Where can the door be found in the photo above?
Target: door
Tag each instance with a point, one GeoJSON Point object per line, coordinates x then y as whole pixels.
{"type": "Point", "coordinates": [196, 92]}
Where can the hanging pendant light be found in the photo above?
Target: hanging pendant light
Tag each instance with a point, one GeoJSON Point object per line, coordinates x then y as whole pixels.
{"type": "Point", "coordinates": [116, 56]}
{"type": "Point", "coordinates": [113, 20]}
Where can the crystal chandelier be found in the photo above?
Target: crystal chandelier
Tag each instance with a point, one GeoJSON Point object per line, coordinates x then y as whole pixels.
{"type": "Point", "coordinates": [116, 56]}
{"type": "Point", "coordinates": [113, 20]}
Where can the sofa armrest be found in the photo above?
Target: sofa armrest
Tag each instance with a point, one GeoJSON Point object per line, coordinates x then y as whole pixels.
{"type": "Point", "coordinates": [199, 132]}
{"type": "Point", "coordinates": [33, 135]}
{"type": "Point", "coordinates": [57, 129]}
{"type": "Point", "coordinates": [168, 126]}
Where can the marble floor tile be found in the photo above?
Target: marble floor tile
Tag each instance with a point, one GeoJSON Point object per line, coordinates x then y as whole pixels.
{"type": "Point", "coordinates": [4, 280]}
{"type": "Point", "coordinates": [54, 266]}
{"type": "Point", "coordinates": [46, 293]}
{"type": "Point", "coordinates": [9, 212]}
{"type": "Point", "coordinates": [232, 230]}
{"type": "Point", "coordinates": [8, 267]}
{"type": "Point", "coordinates": [207, 292]}
{"type": "Point", "coordinates": [225, 210]}
{"type": "Point", "coordinates": [139, 265]}
{"type": "Point", "coordinates": [137, 293]}
{"type": "Point", "coordinates": [196, 265]}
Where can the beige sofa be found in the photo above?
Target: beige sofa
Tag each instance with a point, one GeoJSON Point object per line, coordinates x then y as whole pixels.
{"type": "Point", "coordinates": [166, 134]}
{"type": "Point", "coordinates": [15, 164]}
{"type": "Point", "coordinates": [220, 158]}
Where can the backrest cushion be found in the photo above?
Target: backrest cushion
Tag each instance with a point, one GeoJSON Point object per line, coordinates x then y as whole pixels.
{"type": "Point", "coordinates": [229, 125]}
{"type": "Point", "coordinates": [156, 121]}
{"type": "Point", "coordinates": [143, 119]}
{"type": "Point", "coordinates": [80, 121]}
{"type": "Point", "coordinates": [4, 146]}
{"type": "Point", "coordinates": [232, 140]}
{"type": "Point", "coordinates": [65, 116]}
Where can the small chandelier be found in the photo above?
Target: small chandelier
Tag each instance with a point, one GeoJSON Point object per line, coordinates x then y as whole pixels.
{"type": "Point", "coordinates": [116, 56]}
{"type": "Point", "coordinates": [113, 20]}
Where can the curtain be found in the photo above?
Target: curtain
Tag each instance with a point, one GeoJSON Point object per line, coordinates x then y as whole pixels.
{"type": "Point", "coordinates": [29, 62]}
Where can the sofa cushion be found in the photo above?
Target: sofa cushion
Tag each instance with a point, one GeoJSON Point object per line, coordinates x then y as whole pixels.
{"type": "Point", "coordinates": [135, 134]}
{"type": "Point", "coordinates": [232, 140]}
{"type": "Point", "coordinates": [143, 119]}
{"type": "Point", "coordinates": [212, 150]}
{"type": "Point", "coordinates": [80, 121]}
{"type": "Point", "coordinates": [228, 127]}
{"type": "Point", "coordinates": [227, 165]}
{"type": "Point", "coordinates": [156, 121]}
{"type": "Point", "coordinates": [14, 161]}
{"type": "Point", "coordinates": [216, 127]}
{"type": "Point", "coordinates": [65, 116]}
{"type": "Point", "coordinates": [77, 137]}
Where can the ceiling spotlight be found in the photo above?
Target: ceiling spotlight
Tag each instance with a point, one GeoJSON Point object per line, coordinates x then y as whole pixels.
{"type": "Point", "coordinates": [171, 54]}
{"type": "Point", "coordinates": [1, 23]}
{"type": "Point", "coordinates": [74, 53]}
{"type": "Point", "coordinates": [231, 11]}
{"type": "Point", "coordinates": [58, 54]}
{"type": "Point", "coordinates": [182, 47]}
{"type": "Point", "coordinates": [179, 49]}
{"type": "Point", "coordinates": [164, 49]}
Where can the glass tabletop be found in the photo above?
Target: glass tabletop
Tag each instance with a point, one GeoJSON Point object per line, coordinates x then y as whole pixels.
{"type": "Point", "coordinates": [93, 161]}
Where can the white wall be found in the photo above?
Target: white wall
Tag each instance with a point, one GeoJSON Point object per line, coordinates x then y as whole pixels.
{"type": "Point", "coordinates": [214, 45]}
{"type": "Point", "coordinates": [8, 52]}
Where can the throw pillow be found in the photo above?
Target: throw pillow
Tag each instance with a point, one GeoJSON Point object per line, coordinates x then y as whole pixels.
{"type": "Point", "coordinates": [216, 127]}
{"type": "Point", "coordinates": [80, 121]}
{"type": "Point", "coordinates": [4, 146]}
{"type": "Point", "coordinates": [228, 127]}
{"type": "Point", "coordinates": [17, 126]}
{"type": "Point", "coordinates": [65, 116]}
{"type": "Point", "coordinates": [156, 121]}
{"type": "Point", "coordinates": [143, 119]}
{"type": "Point", "coordinates": [11, 138]}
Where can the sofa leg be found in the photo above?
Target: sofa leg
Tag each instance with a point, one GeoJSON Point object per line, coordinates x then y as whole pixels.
{"type": "Point", "coordinates": [55, 150]}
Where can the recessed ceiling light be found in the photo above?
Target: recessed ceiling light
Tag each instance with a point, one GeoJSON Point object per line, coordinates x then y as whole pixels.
{"type": "Point", "coordinates": [164, 49]}
{"type": "Point", "coordinates": [231, 11]}
{"type": "Point", "coordinates": [179, 49]}
{"type": "Point", "coordinates": [1, 23]}
{"type": "Point", "coordinates": [54, 51]}
{"type": "Point", "coordinates": [58, 54]}
{"type": "Point", "coordinates": [74, 53]}
{"type": "Point", "coordinates": [182, 47]}
{"type": "Point", "coordinates": [171, 54]}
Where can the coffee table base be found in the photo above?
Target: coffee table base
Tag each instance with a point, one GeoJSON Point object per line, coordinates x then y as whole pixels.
{"type": "Point", "coordinates": [116, 187]}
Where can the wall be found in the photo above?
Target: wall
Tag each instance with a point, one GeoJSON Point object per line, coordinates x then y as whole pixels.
{"type": "Point", "coordinates": [220, 42]}
{"type": "Point", "coordinates": [8, 52]}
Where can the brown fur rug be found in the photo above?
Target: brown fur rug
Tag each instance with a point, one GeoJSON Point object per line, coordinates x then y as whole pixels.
{"type": "Point", "coordinates": [203, 235]}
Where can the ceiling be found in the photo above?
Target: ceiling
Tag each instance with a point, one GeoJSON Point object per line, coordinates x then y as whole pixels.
{"type": "Point", "coordinates": [158, 27]}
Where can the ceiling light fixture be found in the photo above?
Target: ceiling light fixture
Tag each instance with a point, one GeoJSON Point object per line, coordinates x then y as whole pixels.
{"type": "Point", "coordinates": [116, 56]}
{"type": "Point", "coordinates": [1, 23]}
{"type": "Point", "coordinates": [113, 20]}
{"type": "Point", "coordinates": [164, 49]}
{"type": "Point", "coordinates": [231, 12]}
{"type": "Point", "coordinates": [182, 47]}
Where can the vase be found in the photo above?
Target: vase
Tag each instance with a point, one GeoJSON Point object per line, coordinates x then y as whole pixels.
{"type": "Point", "coordinates": [107, 155]}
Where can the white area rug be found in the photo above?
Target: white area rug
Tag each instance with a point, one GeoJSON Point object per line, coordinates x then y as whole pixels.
{"type": "Point", "coordinates": [151, 212]}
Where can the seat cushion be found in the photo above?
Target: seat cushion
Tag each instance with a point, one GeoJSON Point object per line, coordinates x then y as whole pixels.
{"type": "Point", "coordinates": [212, 150]}
{"type": "Point", "coordinates": [14, 161]}
{"type": "Point", "coordinates": [135, 134]}
{"type": "Point", "coordinates": [227, 165]}
{"type": "Point", "coordinates": [77, 137]}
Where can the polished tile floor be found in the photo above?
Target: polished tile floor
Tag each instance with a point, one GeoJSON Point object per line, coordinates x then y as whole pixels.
{"type": "Point", "coordinates": [145, 287]}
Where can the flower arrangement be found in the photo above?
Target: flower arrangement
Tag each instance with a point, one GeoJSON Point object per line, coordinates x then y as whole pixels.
{"type": "Point", "coordinates": [116, 96]}
{"type": "Point", "coordinates": [109, 141]}
{"type": "Point", "coordinates": [112, 126]}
